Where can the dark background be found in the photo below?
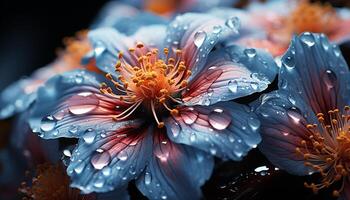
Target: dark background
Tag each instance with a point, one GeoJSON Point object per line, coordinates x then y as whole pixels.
{"type": "Point", "coordinates": [30, 33]}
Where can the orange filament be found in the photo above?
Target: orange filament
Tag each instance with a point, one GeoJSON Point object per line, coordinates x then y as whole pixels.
{"type": "Point", "coordinates": [312, 17]}
{"type": "Point", "coordinates": [327, 149]}
{"type": "Point", "coordinates": [153, 80]}
{"type": "Point", "coordinates": [51, 183]}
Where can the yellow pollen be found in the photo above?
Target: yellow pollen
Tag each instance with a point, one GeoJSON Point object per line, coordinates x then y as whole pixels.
{"type": "Point", "coordinates": [327, 149]}
{"type": "Point", "coordinates": [155, 80]}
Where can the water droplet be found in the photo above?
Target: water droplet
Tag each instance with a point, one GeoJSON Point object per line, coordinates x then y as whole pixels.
{"type": "Point", "coordinates": [292, 100]}
{"type": "Point", "coordinates": [233, 23]}
{"type": "Point", "coordinates": [193, 137]}
{"type": "Point", "coordinates": [83, 103]}
{"type": "Point", "coordinates": [289, 62]}
{"type": "Point", "coordinates": [308, 39]}
{"type": "Point", "coordinates": [261, 168]}
{"type": "Point", "coordinates": [106, 171]}
{"type": "Point", "coordinates": [231, 138]}
{"type": "Point", "coordinates": [217, 29]}
{"type": "Point", "coordinates": [163, 195]}
{"type": "Point", "coordinates": [219, 120]}
{"type": "Point", "coordinates": [175, 129]}
{"type": "Point", "coordinates": [254, 124]}
{"type": "Point", "coordinates": [99, 183]}
{"type": "Point", "coordinates": [98, 51]}
{"type": "Point", "coordinates": [67, 153]}
{"type": "Point", "coordinates": [122, 155]}
{"type": "Point", "coordinates": [254, 85]}
{"type": "Point", "coordinates": [251, 53]}
{"type": "Point", "coordinates": [336, 51]}
{"type": "Point", "coordinates": [212, 151]}
{"type": "Point", "coordinates": [73, 129]}
{"type": "Point", "coordinates": [100, 159]}
{"type": "Point", "coordinates": [79, 78]}
{"type": "Point", "coordinates": [48, 123]}
{"type": "Point", "coordinates": [148, 178]}
{"type": "Point", "coordinates": [132, 170]}
{"type": "Point", "coordinates": [59, 115]}
{"type": "Point", "coordinates": [89, 136]}
{"type": "Point", "coordinates": [330, 79]}
{"type": "Point", "coordinates": [189, 117]}
{"type": "Point", "coordinates": [199, 38]}
{"type": "Point", "coordinates": [78, 169]}
{"type": "Point", "coordinates": [233, 86]}
{"type": "Point", "coordinates": [294, 114]}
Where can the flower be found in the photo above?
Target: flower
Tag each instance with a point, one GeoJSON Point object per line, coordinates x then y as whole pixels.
{"type": "Point", "coordinates": [278, 21]}
{"type": "Point", "coordinates": [158, 115]}
{"type": "Point", "coordinates": [305, 124]}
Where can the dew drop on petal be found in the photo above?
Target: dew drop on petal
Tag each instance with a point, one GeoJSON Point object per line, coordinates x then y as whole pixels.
{"type": "Point", "coordinates": [217, 29]}
{"type": "Point", "coordinates": [294, 114]}
{"type": "Point", "coordinates": [250, 53]}
{"type": "Point", "coordinates": [48, 123]}
{"type": "Point", "coordinates": [59, 115]}
{"type": "Point", "coordinates": [233, 23]}
{"type": "Point", "coordinates": [67, 153]}
{"type": "Point", "coordinates": [199, 38]}
{"type": "Point", "coordinates": [193, 137]}
{"type": "Point", "coordinates": [330, 79]}
{"type": "Point", "coordinates": [73, 129]}
{"type": "Point", "coordinates": [89, 136]}
{"type": "Point", "coordinates": [98, 51]}
{"type": "Point", "coordinates": [218, 119]}
{"type": "Point", "coordinates": [148, 178]}
{"type": "Point", "coordinates": [189, 117]}
{"type": "Point", "coordinates": [289, 62]}
{"type": "Point", "coordinates": [308, 39]}
{"type": "Point", "coordinates": [254, 124]}
{"type": "Point", "coordinates": [100, 160]}
{"type": "Point", "coordinates": [99, 183]}
{"type": "Point", "coordinates": [122, 155]}
{"type": "Point", "coordinates": [83, 103]}
{"type": "Point", "coordinates": [79, 78]}
{"type": "Point", "coordinates": [233, 86]}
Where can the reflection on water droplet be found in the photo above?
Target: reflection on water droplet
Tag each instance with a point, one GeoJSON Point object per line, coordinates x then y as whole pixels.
{"type": "Point", "coordinates": [233, 86]}
{"type": "Point", "coordinates": [254, 85]}
{"type": "Point", "coordinates": [89, 136]}
{"type": "Point", "coordinates": [106, 171]}
{"type": "Point", "coordinates": [148, 178]}
{"type": "Point", "coordinates": [98, 51]}
{"type": "Point", "coordinates": [193, 137]}
{"type": "Point", "coordinates": [78, 169]}
{"type": "Point", "coordinates": [99, 183]}
{"type": "Point", "coordinates": [175, 129]}
{"type": "Point", "coordinates": [261, 168]}
{"type": "Point", "coordinates": [83, 103]}
{"type": "Point", "coordinates": [308, 39]}
{"type": "Point", "coordinates": [199, 38]}
{"type": "Point", "coordinates": [217, 29]}
{"type": "Point", "coordinates": [79, 78]}
{"type": "Point", "coordinates": [67, 153]}
{"type": "Point", "coordinates": [189, 117]}
{"type": "Point", "coordinates": [294, 114]}
{"type": "Point", "coordinates": [122, 155]}
{"type": "Point", "coordinates": [251, 53]}
{"type": "Point", "coordinates": [73, 129]}
{"type": "Point", "coordinates": [219, 120]}
{"type": "Point", "coordinates": [289, 62]}
{"type": "Point", "coordinates": [254, 124]}
{"type": "Point", "coordinates": [48, 123]}
{"type": "Point", "coordinates": [330, 79]}
{"type": "Point", "coordinates": [233, 23]}
{"type": "Point", "coordinates": [100, 160]}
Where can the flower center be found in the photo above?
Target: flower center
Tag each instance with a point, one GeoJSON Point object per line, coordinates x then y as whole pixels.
{"type": "Point", "coordinates": [312, 17]}
{"type": "Point", "coordinates": [327, 149]}
{"type": "Point", "coordinates": [151, 80]}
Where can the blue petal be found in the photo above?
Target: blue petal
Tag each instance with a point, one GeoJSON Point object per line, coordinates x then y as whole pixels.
{"type": "Point", "coordinates": [125, 19]}
{"type": "Point", "coordinates": [175, 171]}
{"type": "Point", "coordinates": [107, 43]}
{"type": "Point", "coordinates": [111, 161]}
{"type": "Point", "coordinates": [315, 69]}
{"type": "Point", "coordinates": [16, 98]}
{"type": "Point", "coordinates": [230, 73]}
{"type": "Point", "coordinates": [196, 34]}
{"type": "Point", "coordinates": [225, 129]}
{"type": "Point", "coordinates": [70, 104]}
{"type": "Point", "coordinates": [283, 119]}
{"type": "Point", "coordinates": [153, 36]}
